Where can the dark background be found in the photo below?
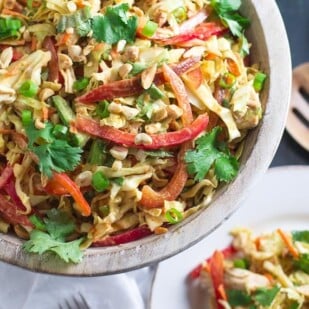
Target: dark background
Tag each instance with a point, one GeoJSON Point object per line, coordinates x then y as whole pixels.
{"type": "Point", "coordinates": [295, 14]}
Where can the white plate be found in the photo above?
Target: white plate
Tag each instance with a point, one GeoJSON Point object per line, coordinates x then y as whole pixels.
{"type": "Point", "coordinates": [281, 199]}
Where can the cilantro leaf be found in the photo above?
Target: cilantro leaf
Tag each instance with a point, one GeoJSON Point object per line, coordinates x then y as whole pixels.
{"type": "Point", "coordinates": [238, 298]}
{"type": "Point", "coordinates": [210, 152]}
{"type": "Point", "coordinates": [115, 25]}
{"type": "Point", "coordinates": [265, 296]}
{"type": "Point", "coordinates": [54, 154]}
{"type": "Point", "coordinates": [303, 262]}
{"type": "Point", "coordinates": [302, 236]}
{"type": "Point", "coordinates": [41, 242]}
{"type": "Point", "coordinates": [244, 46]}
{"type": "Point", "coordinates": [58, 226]}
{"type": "Point", "coordinates": [227, 12]}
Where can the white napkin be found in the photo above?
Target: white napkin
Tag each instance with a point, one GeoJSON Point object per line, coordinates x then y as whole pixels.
{"type": "Point", "coordinates": [22, 289]}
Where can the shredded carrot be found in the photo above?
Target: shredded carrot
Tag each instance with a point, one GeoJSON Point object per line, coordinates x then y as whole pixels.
{"type": "Point", "coordinates": [80, 4]}
{"type": "Point", "coordinates": [288, 242]}
{"type": "Point", "coordinates": [64, 38]}
{"type": "Point", "coordinates": [13, 13]}
{"type": "Point", "coordinates": [257, 242]}
{"type": "Point", "coordinates": [233, 67]}
{"type": "Point", "coordinates": [33, 43]}
{"type": "Point", "coordinates": [211, 56]}
{"type": "Point", "coordinates": [45, 113]}
{"type": "Point", "coordinates": [98, 47]}
{"type": "Point", "coordinates": [269, 277]}
{"type": "Point", "coordinates": [222, 292]}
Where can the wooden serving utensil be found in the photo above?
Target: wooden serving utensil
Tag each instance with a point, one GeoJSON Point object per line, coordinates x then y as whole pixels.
{"type": "Point", "coordinates": [298, 115]}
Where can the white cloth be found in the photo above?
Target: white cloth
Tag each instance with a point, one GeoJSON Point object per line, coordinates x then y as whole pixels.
{"type": "Point", "coordinates": [22, 289]}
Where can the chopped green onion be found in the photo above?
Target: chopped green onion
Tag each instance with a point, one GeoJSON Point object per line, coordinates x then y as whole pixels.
{"type": "Point", "coordinates": [99, 181]}
{"type": "Point", "coordinates": [104, 210]}
{"type": "Point", "coordinates": [60, 130]}
{"type": "Point", "coordinates": [102, 109]}
{"type": "Point", "coordinates": [81, 84]}
{"type": "Point", "coordinates": [155, 93]}
{"type": "Point", "coordinates": [150, 28]}
{"type": "Point", "coordinates": [180, 14]}
{"type": "Point", "coordinates": [29, 89]}
{"type": "Point", "coordinates": [227, 81]}
{"type": "Point", "coordinates": [118, 181]}
{"type": "Point", "coordinates": [37, 222]}
{"type": "Point", "coordinates": [97, 154]}
{"type": "Point", "coordinates": [26, 118]}
{"type": "Point", "coordinates": [137, 68]}
{"type": "Point", "coordinates": [259, 81]}
{"type": "Point", "coordinates": [173, 216]}
{"type": "Point", "coordinates": [241, 263]}
{"type": "Point", "coordinates": [9, 27]}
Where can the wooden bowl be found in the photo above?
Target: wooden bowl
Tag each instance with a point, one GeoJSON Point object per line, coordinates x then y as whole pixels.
{"type": "Point", "coordinates": [270, 50]}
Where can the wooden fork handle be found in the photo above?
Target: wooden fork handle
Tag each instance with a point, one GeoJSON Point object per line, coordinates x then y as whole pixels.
{"type": "Point", "coordinates": [296, 128]}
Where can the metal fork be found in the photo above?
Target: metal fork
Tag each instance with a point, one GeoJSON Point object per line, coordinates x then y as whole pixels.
{"type": "Point", "coordinates": [78, 301]}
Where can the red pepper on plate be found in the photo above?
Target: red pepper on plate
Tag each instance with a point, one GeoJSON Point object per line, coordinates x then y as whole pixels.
{"type": "Point", "coordinates": [53, 66]}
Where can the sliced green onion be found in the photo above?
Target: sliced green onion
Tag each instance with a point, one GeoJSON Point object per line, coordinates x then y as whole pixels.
{"type": "Point", "coordinates": [155, 93]}
{"type": "Point", "coordinates": [173, 216]}
{"type": "Point", "coordinates": [241, 263]}
{"type": "Point", "coordinates": [259, 81]}
{"type": "Point", "coordinates": [104, 210]}
{"type": "Point", "coordinates": [227, 81]}
{"type": "Point", "coordinates": [97, 154]}
{"type": "Point", "coordinates": [37, 222]}
{"type": "Point", "coordinates": [150, 28]}
{"type": "Point", "coordinates": [180, 14]}
{"type": "Point", "coordinates": [29, 89]}
{"type": "Point", "coordinates": [26, 118]}
{"type": "Point", "coordinates": [99, 181]}
{"type": "Point", "coordinates": [137, 68]}
{"type": "Point", "coordinates": [102, 109]}
{"type": "Point", "coordinates": [60, 130]}
{"type": "Point", "coordinates": [9, 27]}
{"type": "Point", "coordinates": [81, 84]}
{"type": "Point", "coordinates": [118, 181]}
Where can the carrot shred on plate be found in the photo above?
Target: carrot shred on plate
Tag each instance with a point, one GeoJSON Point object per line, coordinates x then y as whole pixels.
{"type": "Point", "coordinates": [288, 242]}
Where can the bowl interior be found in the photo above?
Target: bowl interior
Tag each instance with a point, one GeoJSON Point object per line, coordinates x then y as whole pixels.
{"type": "Point", "coordinates": [270, 50]}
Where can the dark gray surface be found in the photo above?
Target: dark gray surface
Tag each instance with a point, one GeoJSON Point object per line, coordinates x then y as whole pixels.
{"type": "Point", "coordinates": [295, 14]}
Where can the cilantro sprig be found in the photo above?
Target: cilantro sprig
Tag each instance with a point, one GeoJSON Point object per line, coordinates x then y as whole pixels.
{"type": "Point", "coordinates": [115, 25]}
{"type": "Point", "coordinates": [51, 237]}
{"type": "Point", "coordinates": [227, 12]}
{"type": "Point", "coordinates": [54, 154]}
{"type": "Point", "coordinates": [210, 152]}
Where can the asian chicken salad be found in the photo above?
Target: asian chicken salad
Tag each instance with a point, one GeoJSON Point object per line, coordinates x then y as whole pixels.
{"type": "Point", "coordinates": [270, 271]}
{"type": "Point", "coordinates": [118, 118]}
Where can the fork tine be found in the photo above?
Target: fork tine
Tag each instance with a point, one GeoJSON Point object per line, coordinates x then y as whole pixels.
{"type": "Point", "coordinates": [77, 303]}
{"type": "Point", "coordinates": [84, 301]}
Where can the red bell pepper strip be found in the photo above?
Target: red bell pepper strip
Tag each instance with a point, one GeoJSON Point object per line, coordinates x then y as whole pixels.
{"type": "Point", "coordinates": [151, 198]}
{"type": "Point", "coordinates": [10, 213]}
{"type": "Point", "coordinates": [202, 32]}
{"type": "Point", "coordinates": [131, 235]}
{"type": "Point", "coordinates": [216, 267]}
{"type": "Point", "coordinates": [193, 21]}
{"type": "Point", "coordinates": [227, 252]}
{"type": "Point", "coordinates": [6, 175]}
{"type": "Point", "coordinates": [7, 182]}
{"type": "Point", "coordinates": [61, 183]}
{"type": "Point", "coordinates": [53, 66]}
{"type": "Point", "coordinates": [180, 93]}
{"type": "Point", "coordinates": [169, 139]}
{"type": "Point", "coordinates": [132, 86]}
